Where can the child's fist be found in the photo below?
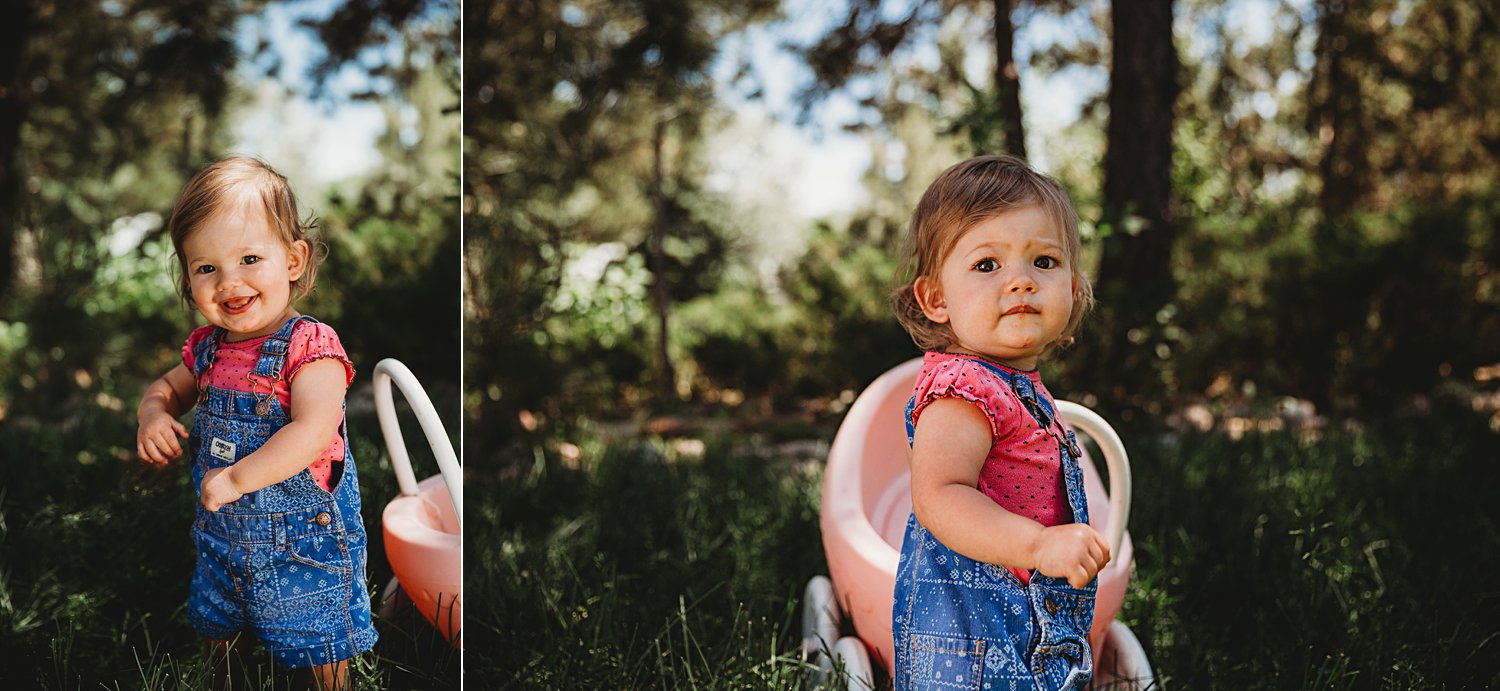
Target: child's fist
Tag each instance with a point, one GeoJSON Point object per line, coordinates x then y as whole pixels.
{"type": "Point", "coordinates": [1074, 551]}
{"type": "Point", "coordinates": [156, 438]}
{"type": "Point", "coordinates": [218, 489]}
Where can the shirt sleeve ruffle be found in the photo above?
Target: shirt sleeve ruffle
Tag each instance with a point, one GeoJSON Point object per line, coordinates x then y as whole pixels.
{"type": "Point", "coordinates": [198, 335]}
{"type": "Point", "coordinates": [959, 378]}
{"type": "Point", "coordinates": [311, 342]}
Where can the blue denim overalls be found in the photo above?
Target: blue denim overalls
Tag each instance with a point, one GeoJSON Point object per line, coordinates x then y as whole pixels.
{"type": "Point", "coordinates": [286, 562]}
{"type": "Point", "coordinates": [963, 624]}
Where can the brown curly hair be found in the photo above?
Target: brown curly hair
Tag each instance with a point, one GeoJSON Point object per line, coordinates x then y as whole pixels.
{"type": "Point", "coordinates": [243, 180]}
{"type": "Point", "coordinates": [963, 196]}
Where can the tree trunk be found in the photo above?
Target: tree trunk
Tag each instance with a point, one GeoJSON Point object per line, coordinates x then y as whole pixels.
{"type": "Point", "coordinates": [1008, 80]}
{"type": "Point", "coordinates": [15, 15]}
{"type": "Point", "coordinates": [1135, 272]}
{"type": "Point", "coordinates": [668, 385]}
{"type": "Point", "coordinates": [1337, 101]}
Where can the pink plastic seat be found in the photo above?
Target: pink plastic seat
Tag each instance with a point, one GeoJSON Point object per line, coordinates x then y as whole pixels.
{"type": "Point", "coordinates": [424, 545]}
{"type": "Point", "coordinates": [423, 525]}
{"type": "Point", "coordinates": [867, 499]}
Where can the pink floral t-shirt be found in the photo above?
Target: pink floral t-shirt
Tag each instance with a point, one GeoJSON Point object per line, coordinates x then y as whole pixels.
{"type": "Point", "coordinates": [234, 369]}
{"type": "Point", "coordinates": [1023, 471]}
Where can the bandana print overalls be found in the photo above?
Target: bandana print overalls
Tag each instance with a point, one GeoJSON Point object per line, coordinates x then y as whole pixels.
{"type": "Point", "coordinates": [287, 562]}
{"type": "Point", "coordinates": [963, 624]}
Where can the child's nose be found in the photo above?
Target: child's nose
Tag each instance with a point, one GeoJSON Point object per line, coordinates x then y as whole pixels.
{"type": "Point", "coordinates": [1022, 282]}
{"type": "Point", "coordinates": [228, 279]}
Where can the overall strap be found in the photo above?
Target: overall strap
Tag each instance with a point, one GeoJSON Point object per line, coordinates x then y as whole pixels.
{"type": "Point", "coordinates": [1039, 406]}
{"type": "Point", "coordinates": [274, 349]}
{"type": "Point", "coordinates": [205, 352]}
{"type": "Point", "coordinates": [1039, 410]}
{"type": "Point", "coordinates": [1036, 405]}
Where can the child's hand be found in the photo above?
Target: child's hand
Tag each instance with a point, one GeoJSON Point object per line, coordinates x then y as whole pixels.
{"type": "Point", "coordinates": [1074, 551]}
{"type": "Point", "coordinates": [218, 489]}
{"type": "Point", "coordinates": [156, 438]}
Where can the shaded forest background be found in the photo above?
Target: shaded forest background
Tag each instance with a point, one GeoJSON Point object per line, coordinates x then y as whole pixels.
{"type": "Point", "coordinates": [1290, 213]}
{"type": "Point", "coordinates": [106, 108]}
{"type": "Point", "coordinates": [1304, 221]}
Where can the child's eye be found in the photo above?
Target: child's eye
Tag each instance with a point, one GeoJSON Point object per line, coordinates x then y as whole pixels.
{"type": "Point", "coordinates": [249, 259]}
{"type": "Point", "coordinates": [985, 266]}
{"type": "Point", "coordinates": [1046, 263]}
{"type": "Point", "coordinates": [204, 270]}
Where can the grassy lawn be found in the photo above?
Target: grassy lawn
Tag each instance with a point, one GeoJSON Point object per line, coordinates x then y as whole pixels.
{"type": "Point", "coordinates": [1351, 558]}
{"type": "Point", "coordinates": [1358, 559]}
{"type": "Point", "coordinates": [641, 564]}
{"type": "Point", "coordinates": [95, 561]}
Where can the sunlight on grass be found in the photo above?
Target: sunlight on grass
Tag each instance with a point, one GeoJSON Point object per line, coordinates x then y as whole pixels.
{"type": "Point", "coordinates": [1274, 561]}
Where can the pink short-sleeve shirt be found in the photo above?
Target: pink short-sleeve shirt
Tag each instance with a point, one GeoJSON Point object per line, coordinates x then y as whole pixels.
{"type": "Point", "coordinates": [235, 363]}
{"type": "Point", "coordinates": [1023, 471]}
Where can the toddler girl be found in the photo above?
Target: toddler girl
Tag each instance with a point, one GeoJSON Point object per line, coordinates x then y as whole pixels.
{"type": "Point", "coordinates": [995, 587]}
{"type": "Point", "coordinates": [280, 542]}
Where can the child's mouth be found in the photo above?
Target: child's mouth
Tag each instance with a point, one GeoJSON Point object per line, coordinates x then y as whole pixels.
{"type": "Point", "coordinates": [237, 305]}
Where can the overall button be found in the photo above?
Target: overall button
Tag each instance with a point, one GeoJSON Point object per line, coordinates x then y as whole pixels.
{"type": "Point", "coordinates": [323, 519]}
{"type": "Point", "coordinates": [1050, 605]}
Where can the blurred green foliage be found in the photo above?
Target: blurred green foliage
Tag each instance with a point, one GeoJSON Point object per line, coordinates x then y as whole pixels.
{"type": "Point", "coordinates": [585, 122]}
{"type": "Point", "coordinates": [601, 316]}
{"type": "Point", "coordinates": [1368, 297]}
{"type": "Point", "coordinates": [92, 308]}
{"type": "Point", "coordinates": [829, 307]}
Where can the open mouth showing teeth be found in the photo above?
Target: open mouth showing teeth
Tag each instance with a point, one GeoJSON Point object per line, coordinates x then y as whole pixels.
{"type": "Point", "coordinates": [234, 304]}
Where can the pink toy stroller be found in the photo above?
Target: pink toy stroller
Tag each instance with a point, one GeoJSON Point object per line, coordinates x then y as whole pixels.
{"type": "Point", "coordinates": [866, 501]}
{"type": "Point", "coordinates": [423, 526]}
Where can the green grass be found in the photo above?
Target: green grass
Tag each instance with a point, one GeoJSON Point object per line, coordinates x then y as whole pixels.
{"type": "Point", "coordinates": [1356, 559]}
{"type": "Point", "coordinates": [639, 568]}
{"type": "Point", "coordinates": [95, 561]}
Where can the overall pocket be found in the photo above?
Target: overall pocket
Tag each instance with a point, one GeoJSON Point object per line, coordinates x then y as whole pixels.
{"type": "Point", "coordinates": [324, 551]}
{"type": "Point", "coordinates": [312, 565]}
{"type": "Point", "coordinates": [940, 662]}
{"type": "Point", "coordinates": [221, 565]}
{"type": "Point", "coordinates": [957, 623]}
{"type": "Point", "coordinates": [1062, 658]}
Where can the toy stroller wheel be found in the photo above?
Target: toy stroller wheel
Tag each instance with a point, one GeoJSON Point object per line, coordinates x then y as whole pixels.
{"type": "Point", "coordinates": [1124, 666]}
{"type": "Point", "coordinates": [820, 616]}
{"type": "Point", "coordinates": [393, 600]}
{"type": "Point", "coordinates": [850, 655]}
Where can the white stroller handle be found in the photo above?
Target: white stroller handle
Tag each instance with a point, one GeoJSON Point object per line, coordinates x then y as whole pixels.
{"type": "Point", "coordinates": [1088, 422]}
{"type": "Point", "coordinates": [389, 370]}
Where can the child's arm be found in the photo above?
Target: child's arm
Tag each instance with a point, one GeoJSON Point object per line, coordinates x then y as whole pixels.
{"type": "Point", "coordinates": [157, 431]}
{"type": "Point", "coordinates": [317, 405]}
{"type": "Point", "coordinates": [948, 450]}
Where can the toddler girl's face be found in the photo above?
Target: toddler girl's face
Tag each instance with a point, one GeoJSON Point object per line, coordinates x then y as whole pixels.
{"type": "Point", "coordinates": [241, 272]}
{"type": "Point", "coordinates": [1006, 288]}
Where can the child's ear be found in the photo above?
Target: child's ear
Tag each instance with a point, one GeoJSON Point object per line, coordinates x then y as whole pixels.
{"type": "Point", "coordinates": [929, 294]}
{"type": "Point", "coordinates": [296, 259]}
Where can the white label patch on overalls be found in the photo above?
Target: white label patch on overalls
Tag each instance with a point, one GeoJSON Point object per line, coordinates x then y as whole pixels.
{"type": "Point", "coordinates": [222, 450]}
